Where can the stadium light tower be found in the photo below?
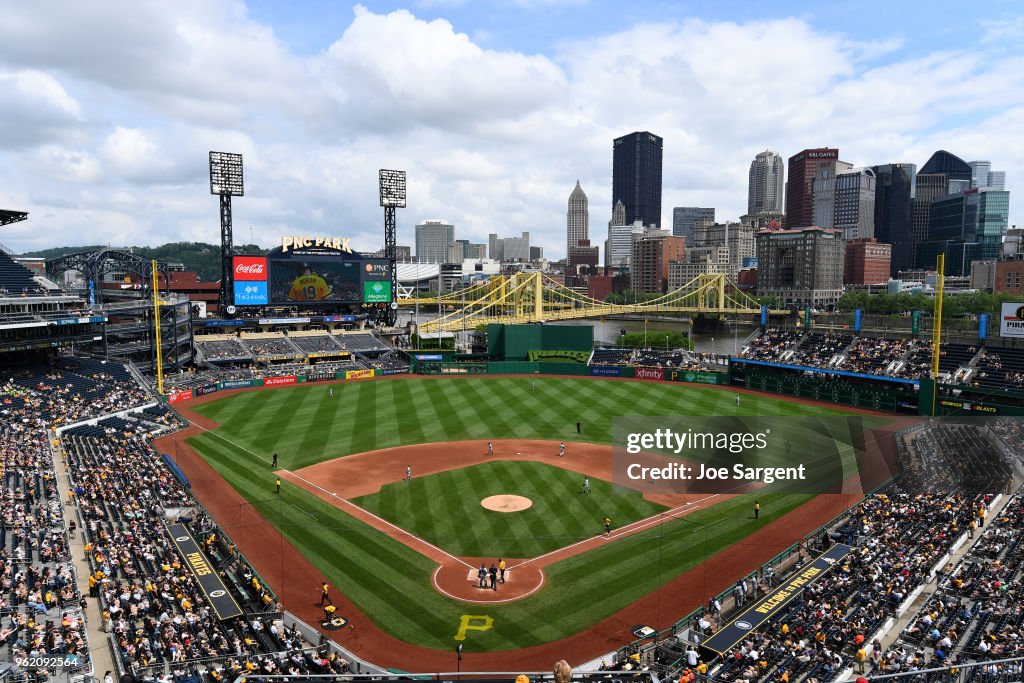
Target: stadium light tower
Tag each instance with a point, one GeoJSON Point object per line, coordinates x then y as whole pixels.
{"type": "Point", "coordinates": [226, 181]}
{"type": "Point", "coordinates": [392, 196]}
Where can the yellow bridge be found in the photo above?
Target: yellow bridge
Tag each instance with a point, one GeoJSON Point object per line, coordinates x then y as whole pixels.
{"type": "Point", "coordinates": [535, 297]}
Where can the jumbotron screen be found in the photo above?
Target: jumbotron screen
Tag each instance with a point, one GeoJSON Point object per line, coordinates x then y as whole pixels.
{"type": "Point", "coordinates": [311, 280]}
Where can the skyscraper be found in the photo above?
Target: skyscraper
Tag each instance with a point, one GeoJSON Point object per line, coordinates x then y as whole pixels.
{"type": "Point", "coordinates": [432, 239]}
{"type": "Point", "coordinates": [636, 176]}
{"type": "Point", "coordinates": [767, 179]}
{"type": "Point", "coordinates": [966, 226]}
{"type": "Point", "coordinates": [942, 174]}
{"type": "Point", "coordinates": [895, 187]}
{"type": "Point", "coordinates": [983, 176]}
{"type": "Point", "coordinates": [855, 204]}
{"type": "Point", "coordinates": [802, 267]}
{"type": "Point", "coordinates": [804, 167]}
{"type": "Point", "coordinates": [577, 221]}
{"type": "Point", "coordinates": [824, 194]}
{"type": "Point", "coordinates": [684, 218]}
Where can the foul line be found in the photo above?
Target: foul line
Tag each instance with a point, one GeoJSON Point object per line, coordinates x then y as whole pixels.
{"type": "Point", "coordinates": [627, 530]}
{"type": "Point", "coordinates": [336, 497]}
{"type": "Point", "coordinates": [400, 530]}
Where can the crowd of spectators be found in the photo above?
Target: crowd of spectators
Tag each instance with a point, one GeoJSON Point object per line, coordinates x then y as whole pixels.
{"type": "Point", "coordinates": [156, 615]}
{"type": "Point", "coordinates": [72, 389]}
{"type": "Point", "coordinates": [124, 495]}
{"type": "Point", "coordinates": [387, 361]}
{"type": "Point", "coordinates": [999, 368]}
{"type": "Point", "coordinates": [958, 457]}
{"type": "Point", "coordinates": [277, 346]}
{"type": "Point", "coordinates": [41, 613]}
{"type": "Point", "coordinates": [898, 538]}
{"type": "Point", "coordinates": [977, 611]}
{"type": "Point", "coordinates": [917, 361]}
{"type": "Point", "coordinates": [818, 349]}
{"type": "Point", "coordinates": [872, 355]}
{"type": "Point", "coordinates": [319, 344]}
{"type": "Point", "coordinates": [770, 344]}
{"type": "Point", "coordinates": [222, 349]}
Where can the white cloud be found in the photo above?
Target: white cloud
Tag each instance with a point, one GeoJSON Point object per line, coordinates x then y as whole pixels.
{"type": "Point", "coordinates": [53, 162]}
{"type": "Point", "coordinates": [35, 108]}
{"type": "Point", "coordinates": [430, 76]}
{"type": "Point", "coordinates": [110, 110]}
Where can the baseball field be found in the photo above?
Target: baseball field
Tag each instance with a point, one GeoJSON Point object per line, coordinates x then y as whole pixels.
{"type": "Point", "coordinates": [404, 554]}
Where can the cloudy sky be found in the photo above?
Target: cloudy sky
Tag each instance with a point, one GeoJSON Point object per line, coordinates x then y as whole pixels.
{"type": "Point", "coordinates": [495, 108]}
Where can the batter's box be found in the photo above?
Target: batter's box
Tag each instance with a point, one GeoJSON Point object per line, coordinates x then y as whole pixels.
{"type": "Point", "coordinates": [473, 576]}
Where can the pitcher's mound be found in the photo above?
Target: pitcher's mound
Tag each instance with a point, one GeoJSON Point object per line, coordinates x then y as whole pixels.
{"type": "Point", "coordinates": [506, 503]}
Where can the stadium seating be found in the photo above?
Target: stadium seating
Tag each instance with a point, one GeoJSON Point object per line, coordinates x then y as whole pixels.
{"type": "Point", "coordinates": [873, 356]}
{"type": "Point", "coordinates": [362, 342]}
{"type": "Point", "coordinates": [16, 279]}
{"type": "Point", "coordinates": [611, 356]}
{"type": "Point", "coordinates": [229, 349]}
{"type": "Point", "coordinates": [770, 345]}
{"type": "Point", "coordinates": [39, 599]}
{"type": "Point", "coordinates": [817, 349]}
{"type": "Point", "coordinates": [998, 368]}
{"type": "Point", "coordinates": [320, 344]}
{"type": "Point", "coordinates": [955, 356]}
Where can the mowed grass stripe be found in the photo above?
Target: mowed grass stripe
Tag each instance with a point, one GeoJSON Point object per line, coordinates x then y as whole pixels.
{"type": "Point", "coordinates": [444, 508]}
{"type": "Point", "coordinates": [373, 568]}
{"type": "Point", "coordinates": [407, 420]}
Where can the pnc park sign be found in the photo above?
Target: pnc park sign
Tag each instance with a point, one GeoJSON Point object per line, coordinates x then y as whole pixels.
{"type": "Point", "coordinates": [303, 242]}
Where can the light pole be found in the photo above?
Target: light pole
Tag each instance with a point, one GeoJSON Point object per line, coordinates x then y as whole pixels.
{"type": "Point", "coordinates": [391, 184]}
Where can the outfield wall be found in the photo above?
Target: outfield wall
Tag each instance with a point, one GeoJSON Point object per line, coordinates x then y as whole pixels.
{"type": "Point", "coordinates": [819, 384]}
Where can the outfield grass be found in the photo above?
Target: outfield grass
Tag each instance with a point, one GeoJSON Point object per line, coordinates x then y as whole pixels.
{"type": "Point", "coordinates": [306, 426]}
{"type": "Point", "coordinates": [391, 583]}
{"type": "Point", "coordinates": [445, 509]}
{"type": "Point", "coordinates": [384, 577]}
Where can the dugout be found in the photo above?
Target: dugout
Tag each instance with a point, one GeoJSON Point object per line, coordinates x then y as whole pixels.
{"type": "Point", "coordinates": [515, 342]}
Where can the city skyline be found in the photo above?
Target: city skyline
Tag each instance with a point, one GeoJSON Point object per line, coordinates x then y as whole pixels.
{"type": "Point", "coordinates": [110, 115]}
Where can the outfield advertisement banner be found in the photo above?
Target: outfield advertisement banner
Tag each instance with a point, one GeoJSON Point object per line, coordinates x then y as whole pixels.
{"type": "Point", "coordinates": [240, 383]}
{"type": "Point", "coordinates": [649, 373]}
{"type": "Point", "coordinates": [279, 381]}
{"type": "Point", "coordinates": [206, 389]}
{"type": "Point", "coordinates": [746, 454]}
{"type": "Point", "coordinates": [177, 396]}
{"type": "Point", "coordinates": [606, 371]}
{"type": "Point", "coordinates": [358, 374]}
{"type": "Point", "coordinates": [690, 376]}
{"type": "Point", "coordinates": [776, 601]}
{"type": "Point", "coordinates": [694, 377]}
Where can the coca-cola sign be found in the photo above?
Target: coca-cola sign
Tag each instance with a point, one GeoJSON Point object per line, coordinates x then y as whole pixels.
{"type": "Point", "coordinates": [251, 268]}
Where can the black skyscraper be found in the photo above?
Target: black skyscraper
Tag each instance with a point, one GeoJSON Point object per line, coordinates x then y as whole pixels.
{"type": "Point", "coordinates": [895, 186]}
{"type": "Point", "coordinates": [636, 176]}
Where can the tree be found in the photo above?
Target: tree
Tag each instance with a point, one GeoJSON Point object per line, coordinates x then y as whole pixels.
{"type": "Point", "coordinates": [656, 339]}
